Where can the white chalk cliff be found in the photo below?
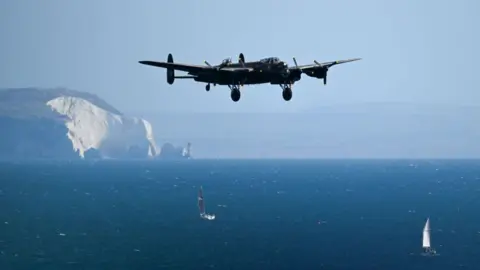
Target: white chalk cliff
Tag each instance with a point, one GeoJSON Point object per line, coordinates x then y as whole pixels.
{"type": "Point", "coordinates": [111, 135]}
{"type": "Point", "coordinates": [65, 124]}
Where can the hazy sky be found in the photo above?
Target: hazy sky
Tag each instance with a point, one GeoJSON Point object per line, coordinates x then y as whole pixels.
{"type": "Point", "coordinates": [413, 51]}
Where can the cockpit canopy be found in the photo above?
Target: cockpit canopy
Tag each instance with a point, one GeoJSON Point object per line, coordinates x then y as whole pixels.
{"type": "Point", "coordinates": [227, 61]}
{"type": "Point", "coordinates": [270, 60]}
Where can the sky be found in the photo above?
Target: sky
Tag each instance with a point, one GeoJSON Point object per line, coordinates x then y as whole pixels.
{"type": "Point", "coordinates": [412, 51]}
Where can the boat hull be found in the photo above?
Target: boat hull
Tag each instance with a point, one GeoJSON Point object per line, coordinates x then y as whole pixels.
{"type": "Point", "coordinates": [207, 216]}
{"type": "Point", "coordinates": [430, 253]}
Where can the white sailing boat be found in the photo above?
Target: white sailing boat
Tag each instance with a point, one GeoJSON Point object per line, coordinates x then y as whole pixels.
{"type": "Point", "coordinates": [428, 250]}
{"type": "Point", "coordinates": [201, 206]}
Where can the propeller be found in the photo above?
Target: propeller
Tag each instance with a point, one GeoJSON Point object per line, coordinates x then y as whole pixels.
{"type": "Point", "coordinates": [296, 65]}
{"type": "Point", "coordinates": [225, 62]}
{"type": "Point", "coordinates": [241, 60]}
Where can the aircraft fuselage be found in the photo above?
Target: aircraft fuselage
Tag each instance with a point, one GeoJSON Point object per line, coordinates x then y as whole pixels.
{"type": "Point", "coordinates": [261, 77]}
{"type": "Point", "coordinates": [275, 72]}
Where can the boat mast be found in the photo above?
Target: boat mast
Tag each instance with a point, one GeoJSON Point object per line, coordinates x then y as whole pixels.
{"type": "Point", "coordinates": [201, 203]}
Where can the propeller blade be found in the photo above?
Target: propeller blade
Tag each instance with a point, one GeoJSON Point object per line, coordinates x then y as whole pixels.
{"type": "Point", "coordinates": [315, 61]}
{"type": "Point", "coordinates": [296, 65]}
{"type": "Point", "coordinates": [206, 63]}
{"type": "Point", "coordinates": [240, 61]}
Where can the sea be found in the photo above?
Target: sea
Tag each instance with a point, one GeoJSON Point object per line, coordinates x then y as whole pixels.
{"type": "Point", "coordinates": [270, 214]}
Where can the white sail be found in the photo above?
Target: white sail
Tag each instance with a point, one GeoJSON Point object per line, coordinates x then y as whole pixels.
{"type": "Point", "coordinates": [201, 206]}
{"type": "Point", "coordinates": [426, 234]}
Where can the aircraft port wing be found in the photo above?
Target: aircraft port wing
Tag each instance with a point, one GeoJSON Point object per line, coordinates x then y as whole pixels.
{"type": "Point", "coordinates": [324, 65]}
{"type": "Point", "coordinates": [318, 70]}
{"type": "Point", "coordinates": [329, 64]}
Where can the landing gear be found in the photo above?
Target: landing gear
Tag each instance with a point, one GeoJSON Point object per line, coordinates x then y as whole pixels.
{"type": "Point", "coordinates": [235, 92]}
{"type": "Point", "coordinates": [207, 87]}
{"type": "Point", "coordinates": [235, 95]}
{"type": "Point", "coordinates": [287, 91]}
{"type": "Point", "coordinates": [287, 94]}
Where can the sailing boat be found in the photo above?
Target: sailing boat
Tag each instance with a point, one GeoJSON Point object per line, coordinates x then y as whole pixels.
{"type": "Point", "coordinates": [428, 250]}
{"type": "Point", "coordinates": [201, 206]}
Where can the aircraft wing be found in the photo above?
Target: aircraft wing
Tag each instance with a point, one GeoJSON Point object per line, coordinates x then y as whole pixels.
{"type": "Point", "coordinates": [195, 69]}
{"type": "Point", "coordinates": [182, 67]}
{"type": "Point", "coordinates": [325, 64]}
{"type": "Point", "coordinates": [237, 69]}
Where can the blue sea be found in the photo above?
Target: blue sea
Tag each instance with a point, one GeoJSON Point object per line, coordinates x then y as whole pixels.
{"type": "Point", "coordinates": [272, 214]}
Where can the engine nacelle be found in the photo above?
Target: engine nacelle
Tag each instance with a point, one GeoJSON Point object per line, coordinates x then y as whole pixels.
{"type": "Point", "coordinates": [170, 71]}
{"type": "Point", "coordinates": [241, 58]}
{"type": "Point", "coordinates": [285, 73]}
{"type": "Point", "coordinates": [292, 77]}
{"type": "Point", "coordinates": [319, 73]}
{"type": "Point", "coordinates": [295, 76]}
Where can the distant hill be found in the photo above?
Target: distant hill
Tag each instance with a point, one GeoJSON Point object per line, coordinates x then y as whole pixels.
{"type": "Point", "coordinates": [30, 102]}
{"type": "Point", "coordinates": [62, 123]}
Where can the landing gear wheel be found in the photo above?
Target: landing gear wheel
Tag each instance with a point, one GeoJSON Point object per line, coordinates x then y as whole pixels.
{"type": "Point", "coordinates": [207, 87]}
{"type": "Point", "coordinates": [287, 94]}
{"type": "Point", "coordinates": [235, 95]}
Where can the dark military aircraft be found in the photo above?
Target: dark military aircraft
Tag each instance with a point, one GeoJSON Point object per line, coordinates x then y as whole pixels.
{"type": "Point", "coordinates": [268, 70]}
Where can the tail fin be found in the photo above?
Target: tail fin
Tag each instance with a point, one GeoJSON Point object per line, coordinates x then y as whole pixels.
{"type": "Point", "coordinates": [170, 71]}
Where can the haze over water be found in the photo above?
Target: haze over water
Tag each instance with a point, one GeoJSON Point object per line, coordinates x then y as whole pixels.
{"type": "Point", "coordinates": [277, 214]}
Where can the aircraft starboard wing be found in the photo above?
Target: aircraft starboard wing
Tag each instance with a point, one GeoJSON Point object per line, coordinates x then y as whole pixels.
{"type": "Point", "coordinates": [195, 69]}
{"type": "Point", "coordinates": [236, 69]}
{"type": "Point", "coordinates": [182, 67]}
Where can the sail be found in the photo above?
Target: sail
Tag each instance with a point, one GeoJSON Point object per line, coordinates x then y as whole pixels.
{"type": "Point", "coordinates": [201, 203]}
{"type": "Point", "coordinates": [426, 234]}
